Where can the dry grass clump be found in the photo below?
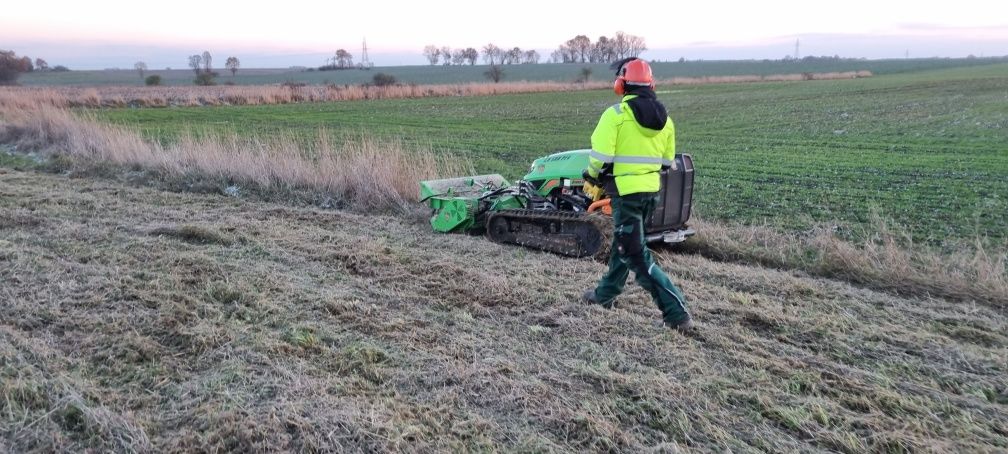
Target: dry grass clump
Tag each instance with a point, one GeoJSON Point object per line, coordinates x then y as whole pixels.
{"type": "Point", "coordinates": [359, 172]}
{"type": "Point", "coordinates": [886, 260]}
{"type": "Point", "coordinates": [284, 94]}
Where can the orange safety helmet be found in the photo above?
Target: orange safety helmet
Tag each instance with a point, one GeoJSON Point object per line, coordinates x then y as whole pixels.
{"type": "Point", "coordinates": [633, 72]}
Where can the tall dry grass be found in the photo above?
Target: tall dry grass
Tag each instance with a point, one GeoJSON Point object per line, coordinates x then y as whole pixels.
{"type": "Point", "coordinates": [93, 97]}
{"type": "Point", "coordinates": [361, 172]}
{"type": "Point", "coordinates": [887, 259]}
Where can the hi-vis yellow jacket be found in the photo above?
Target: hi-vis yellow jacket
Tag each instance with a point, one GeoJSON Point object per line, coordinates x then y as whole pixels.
{"type": "Point", "coordinates": [635, 152]}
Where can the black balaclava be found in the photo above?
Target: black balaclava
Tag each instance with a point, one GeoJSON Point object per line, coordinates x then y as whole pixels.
{"type": "Point", "coordinates": [649, 112]}
{"type": "Point", "coordinates": [647, 109]}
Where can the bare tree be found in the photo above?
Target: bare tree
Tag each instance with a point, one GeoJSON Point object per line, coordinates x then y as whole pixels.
{"type": "Point", "coordinates": [571, 51]}
{"type": "Point", "coordinates": [207, 66]}
{"type": "Point", "coordinates": [620, 47]}
{"type": "Point", "coordinates": [492, 54]}
{"type": "Point", "coordinates": [580, 46]}
{"type": "Point", "coordinates": [343, 58]}
{"type": "Point", "coordinates": [494, 73]}
{"type": "Point", "coordinates": [232, 65]}
{"type": "Point", "coordinates": [626, 45]}
{"type": "Point", "coordinates": [531, 57]}
{"type": "Point", "coordinates": [471, 55]}
{"type": "Point", "coordinates": [459, 57]}
{"type": "Point", "coordinates": [446, 55]}
{"type": "Point", "coordinates": [636, 45]}
{"type": "Point", "coordinates": [140, 68]}
{"type": "Point", "coordinates": [432, 53]}
{"type": "Point", "coordinates": [602, 51]}
{"type": "Point", "coordinates": [195, 62]}
{"type": "Point", "coordinates": [595, 55]}
{"type": "Point", "coordinates": [514, 56]}
{"type": "Point", "coordinates": [572, 54]}
{"type": "Point", "coordinates": [41, 64]}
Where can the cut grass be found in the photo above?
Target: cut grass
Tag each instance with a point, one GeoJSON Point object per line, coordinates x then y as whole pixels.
{"type": "Point", "coordinates": [326, 331]}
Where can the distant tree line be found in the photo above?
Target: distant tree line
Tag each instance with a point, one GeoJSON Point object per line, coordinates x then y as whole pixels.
{"type": "Point", "coordinates": [492, 55]}
{"type": "Point", "coordinates": [812, 58]}
{"type": "Point", "coordinates": [448, 57]}
{"type": "Point", "coordinates": [12, 66]}
{"type": "Point", "coordinates": [580, 49]}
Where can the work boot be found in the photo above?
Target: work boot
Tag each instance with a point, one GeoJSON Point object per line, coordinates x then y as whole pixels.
{"type": "Point", "coordinates": [685, 327]}
{"type": "Point", "coordinates": [590, 298]}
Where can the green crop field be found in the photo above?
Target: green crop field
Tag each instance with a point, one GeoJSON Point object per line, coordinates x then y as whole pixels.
{"type": "Point", "coordinates": [927, 149]}
{"type": "Point", "coordinates": [463, 74]}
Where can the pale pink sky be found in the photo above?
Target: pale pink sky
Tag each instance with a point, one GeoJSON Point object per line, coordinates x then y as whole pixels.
{"type": "Point", "coordinates": [297, 27]}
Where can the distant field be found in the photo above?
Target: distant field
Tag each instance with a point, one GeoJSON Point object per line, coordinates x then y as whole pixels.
{"type": "Point", "coordinates": [927, 149]}
{"type": "Point", "coordinates": [540, 72]}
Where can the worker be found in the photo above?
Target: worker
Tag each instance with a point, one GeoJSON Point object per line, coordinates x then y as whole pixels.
{"type": "Point", "coordinates": [633, 141]}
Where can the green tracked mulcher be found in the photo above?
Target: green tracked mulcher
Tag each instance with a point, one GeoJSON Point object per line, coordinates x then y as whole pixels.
{"type": "Point", "coordinates": [553, 208]}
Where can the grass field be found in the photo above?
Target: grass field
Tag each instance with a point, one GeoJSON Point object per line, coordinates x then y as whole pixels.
{"type": "Point", "coordinates": [466, 74]}
{"type": "Point", "coordinates": [927, 149]}
{"type": "Point", "coordinates": [138, 320]}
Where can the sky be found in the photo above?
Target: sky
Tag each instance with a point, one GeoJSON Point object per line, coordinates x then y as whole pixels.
{"type": "Point", "coordinates": [102, 34]}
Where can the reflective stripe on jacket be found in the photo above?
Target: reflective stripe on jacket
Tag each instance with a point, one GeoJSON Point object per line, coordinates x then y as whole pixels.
{"type": "Point", "coordinates": [636, 153]}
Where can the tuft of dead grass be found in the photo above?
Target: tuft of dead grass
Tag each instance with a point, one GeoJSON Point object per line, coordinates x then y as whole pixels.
{"type": "Point", "coordinates": [886, 259]}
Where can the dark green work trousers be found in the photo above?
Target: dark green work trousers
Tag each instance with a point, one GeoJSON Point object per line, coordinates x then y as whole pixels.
{"type": "Point", "coordinates": [630, 252]}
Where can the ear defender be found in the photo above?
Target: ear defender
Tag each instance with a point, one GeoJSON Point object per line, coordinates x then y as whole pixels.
{"type": "Point", "coordinates": [632, 71]}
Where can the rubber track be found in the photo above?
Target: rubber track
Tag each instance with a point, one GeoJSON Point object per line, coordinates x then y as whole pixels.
{"type": "Point", "coordinates": [567, 242]}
